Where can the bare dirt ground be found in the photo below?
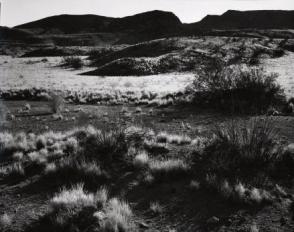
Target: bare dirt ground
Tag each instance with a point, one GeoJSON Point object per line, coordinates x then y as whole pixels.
{"type": "Point", "coordinates": [184, 209]}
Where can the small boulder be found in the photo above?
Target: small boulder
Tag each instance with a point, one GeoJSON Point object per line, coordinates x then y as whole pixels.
{"type": "Point", "coordinates": [213, 220]}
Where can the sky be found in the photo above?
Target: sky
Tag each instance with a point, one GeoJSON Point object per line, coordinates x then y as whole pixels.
{"type": "Point", "coordinates": [15, 12]}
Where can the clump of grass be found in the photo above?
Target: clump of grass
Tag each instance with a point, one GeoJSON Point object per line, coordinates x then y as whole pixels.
{"type": "Point", "coordinates": [72, 171]}
{"type": "Point", "coordinates": [237, 89]}
{"type": "Point", "coordinates": [15, 171]}
{"type": "Point", "coordinates": [154, 147]}
{"type": "Point", "coordinates": [5, 222]}
{"type": "Point", "coordinates": [241, 149]}
{"type": "Point", "coordinates": [156, 208]}
{"type": "Point", "coordinates": [56, 103]}
{"type": "Point", "coordinates": [106, 146]}
{"type": "Point", "coordinates": [168, 169]}
{"type": "Point", "coordinates": [118, 216]}
{"type": "Point", "coordinates": [74, 62]}
{"type": "Point", "coordinates": [76, 208]}
{"type": "Point", "coordinates": [238, 192]}
{"type": "Point", "coordinates": [141, 160]}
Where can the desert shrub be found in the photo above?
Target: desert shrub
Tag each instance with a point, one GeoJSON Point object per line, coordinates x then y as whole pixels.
{"type": "Point", "coordinates": [278, 53]}
{"type": "Point", "coordinates": [5, 222]}
{"type": "Point", "coordinates": [14, 171]}
{"type": "Point", "coordinates": [3, 113]}
{"type": "Point", "coordinates": [75, 209]}
{"type": "Point", "coordinates": [71, 170]}
{"type": "Point", "coordinates": [155, 147]}
{"type": "Point", "coordinates": [163, 137]}
{"type": "Point", "coordinates": [168, 169]}
{"type": "Point", "coordinates": [141, 160]}
{"type": "Point", "coordinates": [255, 56]}
{"type": "Point", "coordinates": [156, 208]}
{"type": "Point", "coordinates": [56, 103]}
{"type": "Point", "coordinates": [237, 90]}
{"type": "Point", "coordinates": [105, 146]}
{"type": "Point", "coordinates": [241, 150]}
{"type": "Point", "coordinates": [118, 216]}
{"type": "Point", "coordinates": [237, 192]}
{"type": "Point", "coordinates": [74, 62]}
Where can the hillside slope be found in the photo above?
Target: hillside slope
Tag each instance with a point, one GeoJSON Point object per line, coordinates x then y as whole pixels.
{"type": "Point", "coordinates": [262, 19]}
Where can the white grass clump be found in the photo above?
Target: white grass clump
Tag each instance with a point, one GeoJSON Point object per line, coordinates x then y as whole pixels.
{"type": "Point", "coordinates": [170, 165]}
{"type": "Point", "coordinates": [141, 160]}
{"type": "Point", "coordinates": [118, 216]}
{"type": "Point", "coordinates": [5, 221]}
{"type": "Point", "coordinates": [156, 208]}
{"type": "Point", "coordinates": [75, 197]}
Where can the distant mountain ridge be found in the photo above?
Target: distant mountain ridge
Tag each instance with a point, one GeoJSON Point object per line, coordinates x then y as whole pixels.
{"type": "Point", "coordinates": [73, 24]}
{"type": "Point", "coordinates": [94, 30]}
{"type": "Point", "coordinates": [262, 19]}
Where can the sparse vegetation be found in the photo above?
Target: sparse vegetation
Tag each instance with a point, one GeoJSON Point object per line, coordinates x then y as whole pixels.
{"type": "Point", "coordinates": [241, 149]}
{"type": "Point", "coordinates": [74, 62]}
{"type": "Point", "coordinates": [76, 208]}
{"type": "Point", "coordinates": [238, 90]}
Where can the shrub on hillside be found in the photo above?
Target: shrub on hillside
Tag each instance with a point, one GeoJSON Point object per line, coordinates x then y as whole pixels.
{"type": "Point", "coordinates": [237, 90]}
{"type": "Point", "coordinates": [74, 62]}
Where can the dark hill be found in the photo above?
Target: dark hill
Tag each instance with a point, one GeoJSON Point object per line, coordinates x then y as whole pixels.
{"type": "Point", "coordinates": [16, 35]}
{"type": "Point", "coordinates": [153, 21]}
{"type": "Point", "coordinates": [263, 19]}
{"type": "Point", "coordinates": [92, 30]}
{"type": "Point", "coordinates": [68, 24]}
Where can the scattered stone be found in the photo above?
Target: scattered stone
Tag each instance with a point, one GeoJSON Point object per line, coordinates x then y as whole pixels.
{"type": "Point", "coordinates": [27, 107]}
{"type": "Point", "coordinates": [10, 117]}
{"type": "Point", "coordinates": [213, 220]}
{"type": "Point", "coordinates": [57, 117]}
{"type": "Point", "coordinates": [143, 225]}
{"type": "Point", "coordinates": [290, 148]}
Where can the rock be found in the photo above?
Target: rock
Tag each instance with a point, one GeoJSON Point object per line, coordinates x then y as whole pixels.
{"type": "Point", "coordinates": [143, 225]}
{"type": "Point", "coordinates": [27, 107]}
{"type": "Point", "coordinates": [290, 148]}
{"type": "Point", "coordinates": [213, 220]}
{"type": "Point", "coordinates": [10, 117]}
{"type": "Point", "coordinates": [57, 117]}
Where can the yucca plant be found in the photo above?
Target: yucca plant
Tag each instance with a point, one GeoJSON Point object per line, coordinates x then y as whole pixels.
{"type": "Point", "coordinates": [241, 149]}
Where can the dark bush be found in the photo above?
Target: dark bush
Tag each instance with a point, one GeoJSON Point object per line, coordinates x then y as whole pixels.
{"type": "Point", "coordinates": [237, 90]}
{"type": "Point", "coordinates": [241, 150]}
{"type": "Point", "coordinates": [72, 62]}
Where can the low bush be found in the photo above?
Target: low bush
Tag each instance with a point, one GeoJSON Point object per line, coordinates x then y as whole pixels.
{"type": "Point", "coordinates": [5, 222]}
{"type": "Point", "coordinates": [168, 169]}
{"type": "Point", "coordinates": [74, 62]}
{"type": "Point", "coordinates": [237, 89]}
{"type": "Point", "coordinates": [71, 171]}
{"type": "Point", "coordinates": [77, 210]}
{"type": "Point", "coordinates": [106, 147]}
{"type": "Point", "coordinates": [241, 150]}
{"type": "Point", "coordinates": [238, 192]}
{"type": "Point", "coordinates": [56, 103]}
